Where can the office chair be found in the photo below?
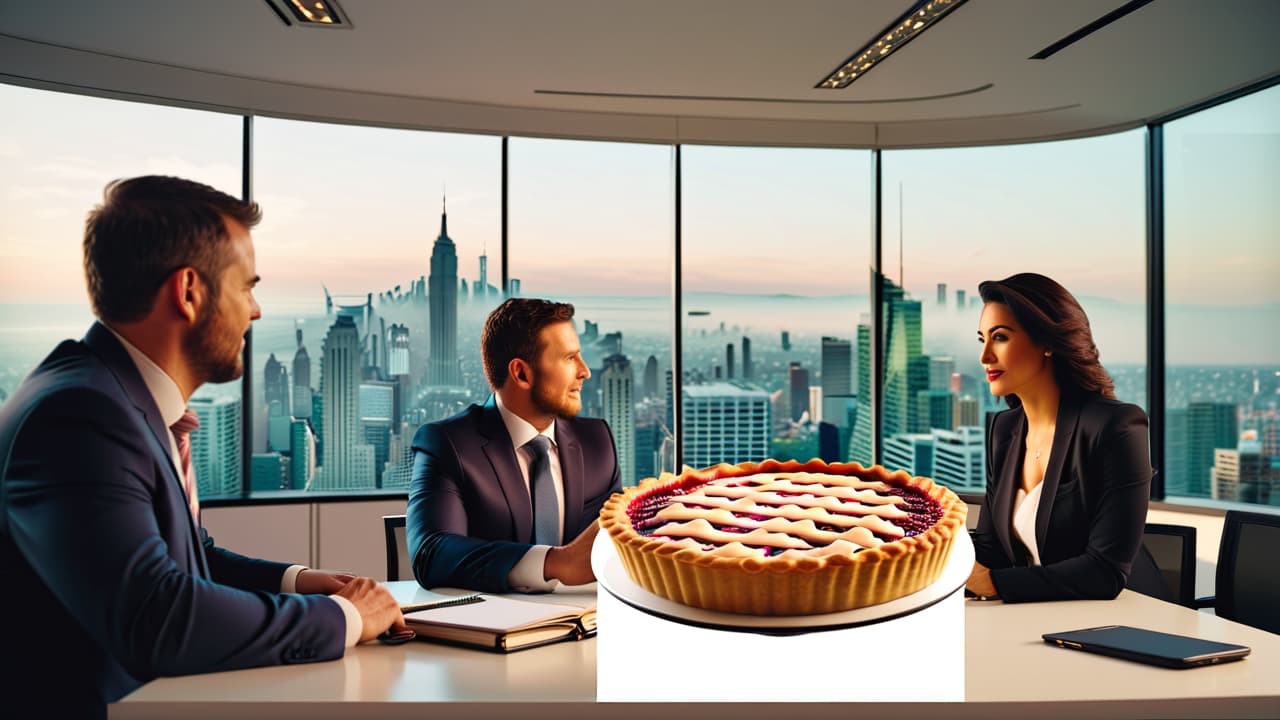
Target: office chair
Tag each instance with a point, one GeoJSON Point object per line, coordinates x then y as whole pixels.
{"type": "Point", "coordinates": [398, 564]}
{"type": "Point", "coordinates": [1173, 547]}
{"type": "Point", "coordinates": [1248, 586]}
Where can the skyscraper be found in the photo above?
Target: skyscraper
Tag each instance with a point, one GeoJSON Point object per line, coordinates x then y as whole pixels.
{"type": "Point", "coordinates": [347, 462]}
{"type": "Point", "coordinates": [215, 446]}
{"type": "Point", "coordinates": [618, 389]}
{"type": "Point", "coordinates": [728, 360]}
{"type": "Point", "coordinates": [398, 350]}
{"type": "Point", "coordinates": [786, 341]}
{"type": "Point", "coordinates": [837, 367]}
{"type": "Point", "coordinates": [651, 389]}
{"type": "Point", "coordinates": [301, 380]}
{"type": "Point", "coordinates": [940, 371]}
{"type": "Point", "coordinates": [275, 383]}
{"type": "Point", "coordinates": [960, 299]}
{"type": "Point", "coordinates": [442, 366]}
{"type": "Point", "coordinates": [959, 459]}
{"type": "Point", "coordinates": [302, 455]}
{"type": "Point", "coordinates": [942, 293]}
{"type": "Point", "coordinates": [725, 422]}
{"type": "Point", "coordinates": [905, 372]}
{"type": "Point", "coordinates": [1210, 425]}
{"type": "Point", "coordinates": [746, 358]}
{"type": "Point", "coordinates": [860, 436]}
{"type": "Point", "coordinates": [798, 382]}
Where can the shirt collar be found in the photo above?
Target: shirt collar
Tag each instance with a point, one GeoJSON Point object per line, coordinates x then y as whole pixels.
{"type": "Point", "coordinates": [164, 391]}
{"type": "Point", "coordinates": [520, 430]}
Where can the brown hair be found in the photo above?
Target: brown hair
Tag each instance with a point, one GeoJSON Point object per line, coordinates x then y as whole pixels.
{"type": "Point", "coordinates": [1052, 317]}
{"type": "Point", "coordinates": [148, 227]}
{"type": "Point", "coordinates": [511, 331]}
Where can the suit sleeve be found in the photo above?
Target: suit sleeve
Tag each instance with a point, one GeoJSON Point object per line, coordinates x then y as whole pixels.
{"type": "Point", "coordinates": [594, 503]}
{"type": "Point", "coordinates": [986, 544]}
{"type": "Point", "coordinates": [81, 489]}
{"type": "Point", "coordinates": [1122, 464]}
{"type": "Point", "coordinates": [246, 573]}
{"type": "Point", "coordinates": [436, 524]}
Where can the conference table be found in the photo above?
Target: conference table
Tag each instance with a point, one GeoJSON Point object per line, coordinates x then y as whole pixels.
{"type": "Point", "coordinates": [1008, 671]}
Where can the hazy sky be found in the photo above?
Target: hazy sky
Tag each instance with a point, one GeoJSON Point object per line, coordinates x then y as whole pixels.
{"type": "Point", "coordinates": [357, 208]}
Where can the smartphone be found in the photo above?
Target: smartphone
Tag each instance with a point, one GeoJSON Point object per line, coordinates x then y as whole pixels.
{"type": "Point", "coordinates": [1148, 646]}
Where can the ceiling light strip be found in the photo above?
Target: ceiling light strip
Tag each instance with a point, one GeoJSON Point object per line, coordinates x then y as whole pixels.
{"type": "Point", "coordinates": [923, 15]}
{"type": "Point", "coordinates": [1089, 29]}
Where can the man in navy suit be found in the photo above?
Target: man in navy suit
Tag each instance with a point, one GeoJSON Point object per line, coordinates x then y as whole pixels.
{"type": "Point", "coordinates": [505, 495]}
{"type": "Point", "coordinates": [110, 579]}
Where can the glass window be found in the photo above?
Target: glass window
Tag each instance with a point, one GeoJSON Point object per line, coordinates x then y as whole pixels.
{"type": "Point", "coordinates": [379, 252]}
{"type": "Point", "coordinates": [1222, 380]}
{"type": "Point", "coordinates": [591, 223]}
{"type": "Point", "coordinates": [57, 153]}
{"type": "Point", "coordinates": [775, 255]}
{"type": "Point", "coordinates": [1072, 210]}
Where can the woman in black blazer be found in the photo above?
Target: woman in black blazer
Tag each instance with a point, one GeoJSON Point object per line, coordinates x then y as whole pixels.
{"type": "Point", "coordinates": [1068, 466]}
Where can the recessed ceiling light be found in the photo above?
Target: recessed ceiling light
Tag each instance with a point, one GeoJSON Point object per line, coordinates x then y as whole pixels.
{"type": "Point", "coordinates": [919, 18]}
{"type": "Point", "coordinates": [310, 13]}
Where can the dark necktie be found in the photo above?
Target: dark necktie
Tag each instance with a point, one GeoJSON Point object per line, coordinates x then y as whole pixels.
{"type": "Point", "coordinates": [546, 509]}
{"type": "Point", "coordinates": [182, 430]}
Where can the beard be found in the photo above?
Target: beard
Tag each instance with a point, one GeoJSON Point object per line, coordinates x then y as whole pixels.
{"type": "Point", "coordinates": [213, 352]}
{"type": "Point", "coordinates": [560, 406]}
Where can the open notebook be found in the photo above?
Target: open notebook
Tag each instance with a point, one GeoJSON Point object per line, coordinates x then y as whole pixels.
{"type": "Point", "coordinates": [502, 623]}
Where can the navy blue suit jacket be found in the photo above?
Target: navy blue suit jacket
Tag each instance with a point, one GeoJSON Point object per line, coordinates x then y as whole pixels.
{"type": "Point", "coordinates": [108, 581]}
{"type": "Point", "coordinates": [1093, 505]}
{"type": "Point", "coordinates": [470, 518]}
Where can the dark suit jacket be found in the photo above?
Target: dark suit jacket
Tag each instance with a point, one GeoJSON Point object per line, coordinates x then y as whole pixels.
{"type": "Point", "coordinates": [470, 519]}
{"type": "Point", "coordinates": [108, 581]}
{"type": "Point", "coordinates": [1093, 505]}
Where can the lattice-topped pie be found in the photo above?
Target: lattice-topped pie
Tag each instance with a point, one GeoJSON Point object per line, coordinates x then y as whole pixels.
{"type": "Point", "coordinates": [784, 538]}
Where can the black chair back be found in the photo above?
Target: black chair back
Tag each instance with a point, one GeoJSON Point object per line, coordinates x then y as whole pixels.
{"type": "Point", "coordinates": [1173, 547]}
{"type": "Point", "coordinates": [398, 567]}
{"type": "Point", "coordinates": [1248, 581]}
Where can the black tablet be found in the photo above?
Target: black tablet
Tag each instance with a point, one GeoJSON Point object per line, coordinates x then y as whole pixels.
{"type": "Point", "coordinates": [1148, 646]}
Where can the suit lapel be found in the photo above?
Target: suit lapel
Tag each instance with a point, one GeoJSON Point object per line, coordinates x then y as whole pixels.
{"type": "Point", "coordinates": [500, 451]}
{"type": "Point", "coordinates": [571, 474]}
{"type": "Point", "coordinates": [1007, 483]}
{"type": "Point", "coordinates": [107, 347]}
{"type": "Point", "coordinates": [1063, 434]}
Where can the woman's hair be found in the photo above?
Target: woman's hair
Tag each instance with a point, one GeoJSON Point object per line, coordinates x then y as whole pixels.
{"type": "Point", "coordinates": [1052, 317]}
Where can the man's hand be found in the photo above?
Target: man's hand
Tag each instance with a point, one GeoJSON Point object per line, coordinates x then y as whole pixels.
{"type": "Point", "coordinates": [571, 564]}
{"type": "Point", "coordinates": [321, 582]}
{"type": "Point", "coordinates": [980, 581]}
{"type": "Point", "coordinates": [377, 607]}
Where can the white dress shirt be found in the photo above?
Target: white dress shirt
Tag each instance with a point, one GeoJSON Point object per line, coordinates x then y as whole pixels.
{"type": "Point", "coordinates": [1025, 505]}
{"type": "Point", "coordinates": [168, 399]}
{"type": "Point", "coordinates": [528, 575]}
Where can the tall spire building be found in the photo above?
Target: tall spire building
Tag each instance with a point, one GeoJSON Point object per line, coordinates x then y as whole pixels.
{"type": "Point", "coordinates": [301, 380]}
{"type": "Point", "coordinates": [442, 297]}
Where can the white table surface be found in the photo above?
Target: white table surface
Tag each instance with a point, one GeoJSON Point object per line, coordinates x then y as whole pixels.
{"type": "Point", "coordinates": [1008, 671]}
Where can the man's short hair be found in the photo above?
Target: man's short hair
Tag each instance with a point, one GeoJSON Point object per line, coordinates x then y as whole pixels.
{"type": "Point", "coordinates": [148, 227]}
{"type": "Point", "coordinates": [511, 331]}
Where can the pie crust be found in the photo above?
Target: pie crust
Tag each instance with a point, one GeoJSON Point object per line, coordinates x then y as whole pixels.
{"type": "Point", "coordinates": [828, 538]}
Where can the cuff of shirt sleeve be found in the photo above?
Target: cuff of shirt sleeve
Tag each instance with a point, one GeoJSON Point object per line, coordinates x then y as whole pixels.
{"type": "Point", "coordinates": [527, 575]}
{"type": "Point", "coordinates": [355, 625]}
{"type": "Point", "coordinates": [289, 582]}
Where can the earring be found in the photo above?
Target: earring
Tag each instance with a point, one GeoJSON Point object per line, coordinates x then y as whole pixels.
{"type": "Point", "coordinates": [1047, 353]}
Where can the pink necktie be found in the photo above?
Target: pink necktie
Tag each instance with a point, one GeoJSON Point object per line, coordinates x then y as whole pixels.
{"type": "Point", "coordinates": [182, 433]}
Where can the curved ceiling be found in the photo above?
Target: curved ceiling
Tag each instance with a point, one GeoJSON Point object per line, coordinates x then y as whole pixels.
{"type": "Point", "coordinates": [700, 71]}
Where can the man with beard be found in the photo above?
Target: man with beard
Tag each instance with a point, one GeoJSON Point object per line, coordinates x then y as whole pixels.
{"type": "Point", "coordinates": [111, 580]}
{"type": "Point", "coordinates": [505, 495]}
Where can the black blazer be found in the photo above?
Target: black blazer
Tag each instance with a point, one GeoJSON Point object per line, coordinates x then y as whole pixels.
{"type": "Point", "coordinates": [1093, 505]}
{"type": "Point", "coordinates": [109, 581]}
{"type": "Point", "coordinates": [470, 517]}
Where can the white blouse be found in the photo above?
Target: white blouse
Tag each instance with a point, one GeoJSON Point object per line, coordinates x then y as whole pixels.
{"type": "Point", "coordinates": [1024, 519]}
